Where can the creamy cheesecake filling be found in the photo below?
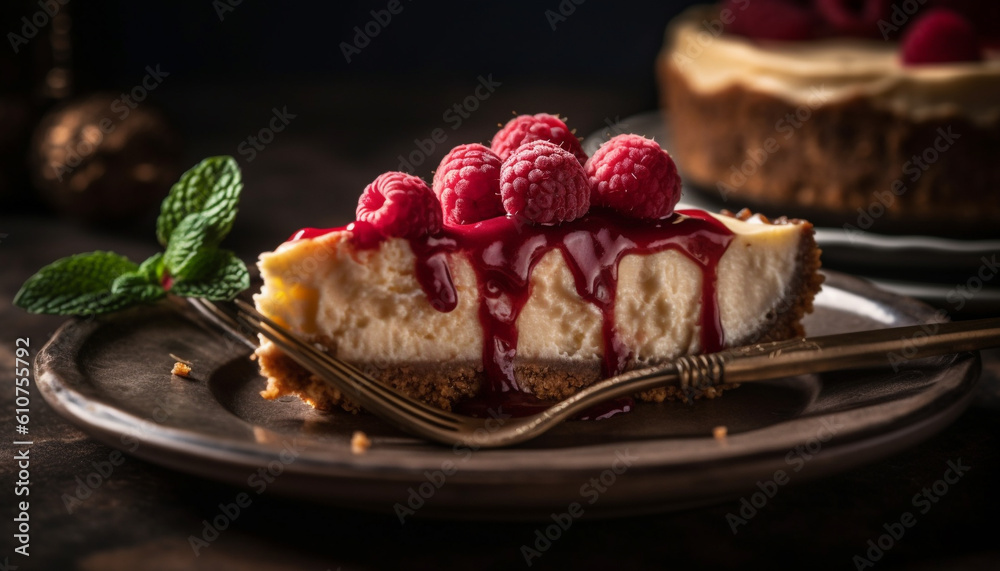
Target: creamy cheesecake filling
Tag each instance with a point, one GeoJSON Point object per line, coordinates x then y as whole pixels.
{"type": "Point", "coordinates": [368, 301]}
{"type": "Point", "coordinates": [822, 71]}
{"type": "Point", "coordinates": [652, 293]}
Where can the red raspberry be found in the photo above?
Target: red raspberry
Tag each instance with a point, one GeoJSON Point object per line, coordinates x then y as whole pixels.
{"type": "Point", "coordinates": [772, 20]}
{"type": "Point", "coordinates": [940, 36]}
{"type": "Point", "coordinates": [467, 182]}
{"type": "Point", "coordinates": [853, 18]}
{"type": "Point", "coordinates": [541, 127]}
{"type": "Point", "coordinates": [983, 14]}
{"type": "Point", "coordinates": [634, 176]}
{"type": "Point", "coordinates": [400, 205]}
{"type": "Point", "coordinates": [545, 184]}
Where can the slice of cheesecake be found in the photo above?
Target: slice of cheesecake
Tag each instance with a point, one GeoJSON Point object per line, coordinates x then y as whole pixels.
{"type": "Point", "coordinates": [528, 272]}
{"type": "Point", "coordinates": [501, 309]}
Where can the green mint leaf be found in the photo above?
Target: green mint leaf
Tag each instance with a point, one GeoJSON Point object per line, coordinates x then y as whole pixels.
{"type": "Point", "coordinates": [152, 268]}
{"type": "Point", "coordinates": [190, 253]}
{"type": "Point", "coordinates": [212, 188]}
{"type": "Point", "coordinates": [135, 289]}
{"type": "Point", "coordinates": [226, 279]}
{"type": "Point", "coordinates": [142, 285]}
{"type": "Point", "coordinates": [194, 218]}
{"type": "Point", "coordinates": [78, 285]}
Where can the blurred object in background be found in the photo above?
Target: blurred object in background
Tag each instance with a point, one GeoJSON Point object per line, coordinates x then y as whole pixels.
{"type": "Point", "coordinates": [57, 51]}
{"type": "Point", "coordinates": [97, 158]}
{"type": "Point", "coordinates": [846, 116]}
{"type": "Point", "coordinates": [101, 160]}
{"type": "Point", "coordinates": [25, 61]}
{"type": "Point", "coordinates": [15, 130]}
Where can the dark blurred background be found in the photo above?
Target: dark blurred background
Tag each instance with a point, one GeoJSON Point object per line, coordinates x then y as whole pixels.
{"type": "Point", "coordinates": [211, 40]}
{"type": "Point", "coordinates": [213, 74]}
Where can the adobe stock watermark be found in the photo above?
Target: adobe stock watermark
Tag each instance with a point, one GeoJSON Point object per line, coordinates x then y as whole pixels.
{"type": "Point", "coordinates": [921, 501]}
{"type": "Point", "coordinates": [796, 459]}
{"type": "Point", "coordinates": [230, 511]}
{"type": "Point", "coordinates": [900, 14]}
{"type": "Point", "coordinates": [31, 25]}
{"type": "Point", "coordinates": [563, 11]}
{"type": "Point", "coordinates": [591, 491]}
{"type": "Point", "coordinates": [253, 144]}
{"type": "Point", "coordinates": [225, 7]}
{"type": "Point", "coordinates": [615, 126]}
{"type": "Point", "coordinates": [122, 107]}
{"type": "Point", "coordinates": [928, 328]}
{"type": "Point", "coordinates": [787, 127]}
{"type": "Point", "coordinates": [453, 116]}
{"type": "Point", "coordinates": [87, 484]}
{"type": "Point", "coordinates": [915, 167]}
{"type": "Point", "coordinates": [962, 293]}
{"type": "Point", "coordinates": [712, 29]}
{"type": "Point", "coordinates": [434, 480]}
{"type": "Point", "coordinates": [365, 33]}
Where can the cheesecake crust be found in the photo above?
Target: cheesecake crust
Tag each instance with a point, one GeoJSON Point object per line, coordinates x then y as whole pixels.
{"type": "Point", "coordinates": [444, 384]}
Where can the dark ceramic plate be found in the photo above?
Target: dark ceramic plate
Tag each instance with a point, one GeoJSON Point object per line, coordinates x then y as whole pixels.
{"type": "Point", "coordinates": [112, 377]}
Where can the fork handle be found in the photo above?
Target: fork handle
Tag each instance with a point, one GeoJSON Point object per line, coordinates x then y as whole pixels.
{"type": "Point", "coordinates": [763, 361]}
{"type": "Point", "coordinates": [862, 349]}
{"type": "Point", "coordinates": [877, 348]}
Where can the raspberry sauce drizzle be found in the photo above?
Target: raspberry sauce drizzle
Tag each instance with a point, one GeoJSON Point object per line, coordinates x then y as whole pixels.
{"type": "Point", "coordinates": [503, 252]}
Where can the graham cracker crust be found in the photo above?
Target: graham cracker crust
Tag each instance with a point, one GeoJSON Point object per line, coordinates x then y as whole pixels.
{"type": "Point", "coordinates": [444, 384]}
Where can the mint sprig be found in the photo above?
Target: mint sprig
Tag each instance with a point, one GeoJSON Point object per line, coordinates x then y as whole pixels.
{"type": "Point", "coordinates": [83, 284]}
{"type": "Point", "coordinates": [190, 251]}
{"type": "Point", "coordinates": [194, 218]}
{"type": "Point", "coordinates": [212, 189]}
{"type": "Point", "coordinates": [226, 274]}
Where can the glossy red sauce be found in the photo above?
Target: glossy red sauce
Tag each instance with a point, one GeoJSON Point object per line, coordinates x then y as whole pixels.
{"type": "Point", "coordinates": [503, 252]}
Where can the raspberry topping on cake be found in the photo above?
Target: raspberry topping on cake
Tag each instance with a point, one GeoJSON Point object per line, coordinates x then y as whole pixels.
{"type": "Point", "coordinates": [400, 205]}
{"type": "Point", "coordinates": [940, 36]}
{"type": "Point", "coordinates": [772, 20]}
{"type": "Point", "coordinates": [634, 176]}
{"type": "Point", "coordinates": [982, 14]}
{"type": "Point", "coordinates": [854, 17]}
{"type": "Point", "coordinates": [467, 182]}
{"type": "Point", "coordinates": [544, 184]}
{"type": "Point", "coordinates": [524, 129]}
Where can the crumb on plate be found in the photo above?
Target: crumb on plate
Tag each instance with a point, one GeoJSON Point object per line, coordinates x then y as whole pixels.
{"type": "Point", "coordinates": [360, 443]}
{"type": "Point", "coordinates": [181, 369]}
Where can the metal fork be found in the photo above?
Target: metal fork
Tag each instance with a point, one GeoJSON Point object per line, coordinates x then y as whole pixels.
{"type": "Point", "coordinates": [693, 373]}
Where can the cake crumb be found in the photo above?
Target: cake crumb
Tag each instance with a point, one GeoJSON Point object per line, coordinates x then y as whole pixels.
{"type": "Point", "coordinates": [181, 369]}
{"type": "Point", "coordinates": [360, 443]}
{"type": "Point", "coordinates": [719, 432]}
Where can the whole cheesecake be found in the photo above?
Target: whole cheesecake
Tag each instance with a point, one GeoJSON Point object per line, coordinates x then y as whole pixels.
{"type": "Point", "coordinates": [842, 126]}
{"type": "Point", "coordinates": [521, 280]}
